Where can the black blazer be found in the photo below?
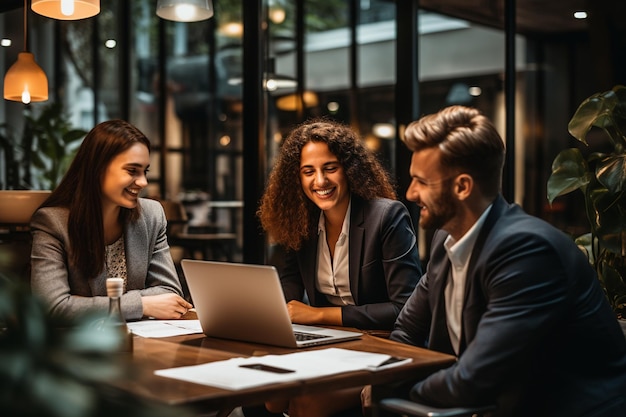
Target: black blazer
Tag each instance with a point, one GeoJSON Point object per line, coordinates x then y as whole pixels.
{"type": "Point", "coordinates": [538, 335]}
{"type": "Point", "coordinates": [384, 265]}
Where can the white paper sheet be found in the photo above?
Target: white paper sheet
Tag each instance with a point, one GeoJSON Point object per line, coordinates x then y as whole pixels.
{"type": "Point", "coordinates": [164, 328]}
{"type": "Point", "coordinates": [230, 374]}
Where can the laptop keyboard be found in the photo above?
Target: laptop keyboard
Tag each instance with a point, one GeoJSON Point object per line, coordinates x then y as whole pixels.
{"type": "Point", "coordinates": [301, 336]}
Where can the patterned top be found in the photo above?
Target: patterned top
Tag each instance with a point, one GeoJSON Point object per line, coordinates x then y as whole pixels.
{"type": "Point", "coordinates": [116, 260]}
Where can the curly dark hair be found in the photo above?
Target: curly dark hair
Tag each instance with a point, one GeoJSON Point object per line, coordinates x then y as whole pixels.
{"type": "Point", "coordinates": [286, 213]}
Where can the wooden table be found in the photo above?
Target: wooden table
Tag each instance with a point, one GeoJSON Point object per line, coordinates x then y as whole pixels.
{"type": "Point", "coordinates": [152, 354]}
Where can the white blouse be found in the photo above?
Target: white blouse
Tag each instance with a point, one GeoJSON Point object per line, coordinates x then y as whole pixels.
{"type": "Point", "coordinates": [333, 274]}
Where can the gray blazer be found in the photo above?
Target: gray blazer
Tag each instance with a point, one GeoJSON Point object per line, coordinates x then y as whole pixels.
{"type": "Point", "coordinates": [384, 265]}
{"type": "Point", "coordinates": [149, 264]}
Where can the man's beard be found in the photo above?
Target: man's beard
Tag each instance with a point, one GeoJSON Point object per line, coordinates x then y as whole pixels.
{"type": "Point", "coordinates": [441, 211]}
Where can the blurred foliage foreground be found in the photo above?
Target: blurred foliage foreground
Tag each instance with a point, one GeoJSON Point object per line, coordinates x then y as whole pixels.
{"type": "Point", "coordinates": [52, 371]}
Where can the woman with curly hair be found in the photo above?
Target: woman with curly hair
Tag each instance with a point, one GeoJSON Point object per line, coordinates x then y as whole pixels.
{"type": "Point", "coordinates": [350, 244]}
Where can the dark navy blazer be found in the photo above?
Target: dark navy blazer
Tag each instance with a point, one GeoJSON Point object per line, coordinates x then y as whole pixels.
{"type": "Point", "coordinates": [538, 335]}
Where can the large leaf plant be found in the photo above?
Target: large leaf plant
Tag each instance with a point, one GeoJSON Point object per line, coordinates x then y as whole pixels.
{"type": "Point", "coordinates": [601, 176]}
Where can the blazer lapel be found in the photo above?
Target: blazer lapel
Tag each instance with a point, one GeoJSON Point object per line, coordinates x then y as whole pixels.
{"type": "Point", "coordinates": [308, 260]}
{"type": "Point", "coordinates": [497, 208]}
{"type": "Point", "coordinates": [137, 252]}
{"type": "Point", "coordinates": [356, 236]}
{"type": "Point", "coordinates": [439, 336]}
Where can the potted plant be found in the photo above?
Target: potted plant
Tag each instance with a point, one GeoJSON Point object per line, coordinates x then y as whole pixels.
{"type": "Point", "coordinates": [52, 371]}
{"type": "Point", "coordinates": [601, 177]}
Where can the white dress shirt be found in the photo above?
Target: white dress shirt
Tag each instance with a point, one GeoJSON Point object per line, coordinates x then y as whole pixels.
{"type": "Point", "coordinates": [459, 253]}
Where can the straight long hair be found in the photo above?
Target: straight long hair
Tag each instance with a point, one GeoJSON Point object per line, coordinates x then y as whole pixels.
{"type": "Point", "coordinates": [80, 191]}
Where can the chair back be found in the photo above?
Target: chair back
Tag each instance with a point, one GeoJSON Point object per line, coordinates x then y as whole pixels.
{"type": "Point", "coordinates": [176, 216]}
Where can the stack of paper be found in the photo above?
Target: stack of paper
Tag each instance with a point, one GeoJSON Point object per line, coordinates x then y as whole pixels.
{"type": "Point", "coordinates": [241, 373]}
{"type": "Point", "coordinates": [164, 328]}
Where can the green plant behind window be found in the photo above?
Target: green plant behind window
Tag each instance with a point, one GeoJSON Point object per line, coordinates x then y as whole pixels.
{"type": "Point", "coordinates": [53, 143]}
{"type": "Point", "coordinates": [601, 177]}
{"type": "Point", "coordinates": [41, 155]}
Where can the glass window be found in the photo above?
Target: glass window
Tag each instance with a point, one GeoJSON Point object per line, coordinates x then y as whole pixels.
{"type": "Point", "coordinates": [77, 71]}
{"type": "Point", "coordinates": [108, 62]}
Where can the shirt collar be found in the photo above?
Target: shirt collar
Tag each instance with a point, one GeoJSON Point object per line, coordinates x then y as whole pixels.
{"type": "Point", "coordinates": [460, 251]}
{"type": "Point", "coordinates": [321, 224]}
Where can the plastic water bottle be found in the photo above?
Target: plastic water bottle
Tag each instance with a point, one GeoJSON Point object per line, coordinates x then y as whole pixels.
{"type": "Point", "coordinates": [115, 319]}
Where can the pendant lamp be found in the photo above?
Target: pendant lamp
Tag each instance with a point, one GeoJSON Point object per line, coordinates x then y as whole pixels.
{"type": "Point", "coordinates": [66, 9]}
{"type": "Point", "coordinates": [184, 10]}
{"type": "Point", "coordinates": [25, 81]}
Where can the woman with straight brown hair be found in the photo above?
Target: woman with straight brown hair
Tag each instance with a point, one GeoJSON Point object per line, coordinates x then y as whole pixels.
{"type": "Point", "coordinates": [94, 225]}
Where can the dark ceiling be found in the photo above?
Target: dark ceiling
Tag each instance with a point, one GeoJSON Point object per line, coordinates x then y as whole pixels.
{"type": "Point", "coordinates": [534, 17]}
{"type": "Point", "coordinates": [7, 5]}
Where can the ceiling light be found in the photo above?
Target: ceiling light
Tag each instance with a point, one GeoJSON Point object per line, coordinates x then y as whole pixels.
{"type": "Point", "coordinates": [66, 9]}
{"type": "Point", "coordinates": [292, 102]}
{"type": "Point", "coordinates": [475, 91]}
{"type": "Point", "coordinates": [580, 14]}
{"type": "Point", "coordinates": [231, 29]}
{"type": "Point", "coordinates": [25, 81]}
{"type": "Point", "coordinates": [384, 130]}
{"type": "Point", "coordinates": [184, 10]}
{"type": "Point", "coordinates": [271, 82]}
{"type": "Point", "coordinates": [277, 15]}
{"type": "Point", "coordinates": [275, 81]}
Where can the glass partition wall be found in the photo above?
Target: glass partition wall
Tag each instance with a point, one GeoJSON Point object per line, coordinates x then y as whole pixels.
{"type": "Point", "coordinates": [183, 84]}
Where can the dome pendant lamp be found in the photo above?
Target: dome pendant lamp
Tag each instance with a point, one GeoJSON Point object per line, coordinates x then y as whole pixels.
{"type": "Point", "coordinates": [25, 81]}
{"type": "Point", "coordinates": [66, 9]}
{"type": "Point", "coordinates": [184, 10]}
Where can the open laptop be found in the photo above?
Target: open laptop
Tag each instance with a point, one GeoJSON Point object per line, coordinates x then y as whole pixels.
{"type": "Point", "coordinates": [246, 302]}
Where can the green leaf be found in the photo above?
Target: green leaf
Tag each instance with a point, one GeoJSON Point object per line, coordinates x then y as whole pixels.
{"type": "Point", "coordinates": [594, 111]}
{"type": "Point", "coordinates": [584, 242]}
{"type": "Point", "coordinates": [611, 172]}
{"type": "Point", "coordinates": [74, 135]}
{"type": "Point", "coordinates": [614, 284]}
{"type": "Point", "coordinates": [607, 219]}
{"type": "Point", "coordinates": [62, 396]}
{"type": "Point", "coordinates": [569, 172]}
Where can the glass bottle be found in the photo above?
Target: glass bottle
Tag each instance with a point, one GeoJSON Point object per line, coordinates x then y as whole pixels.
{"type": "Point", "coordinates": [115, 319]}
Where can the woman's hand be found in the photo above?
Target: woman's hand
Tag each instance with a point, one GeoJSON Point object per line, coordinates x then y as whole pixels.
{"type": "Point", "coordinates": [305, 314]}
{"type": "Point", "coordinates": [165, 306]}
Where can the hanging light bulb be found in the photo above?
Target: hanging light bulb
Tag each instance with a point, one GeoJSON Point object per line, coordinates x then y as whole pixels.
{"type": "Point", "coordinates": [66, 9]}
{"type": "Point", "coordinates": [184, 10]}
{"type": "Point", "coordinates": [25, 81]}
